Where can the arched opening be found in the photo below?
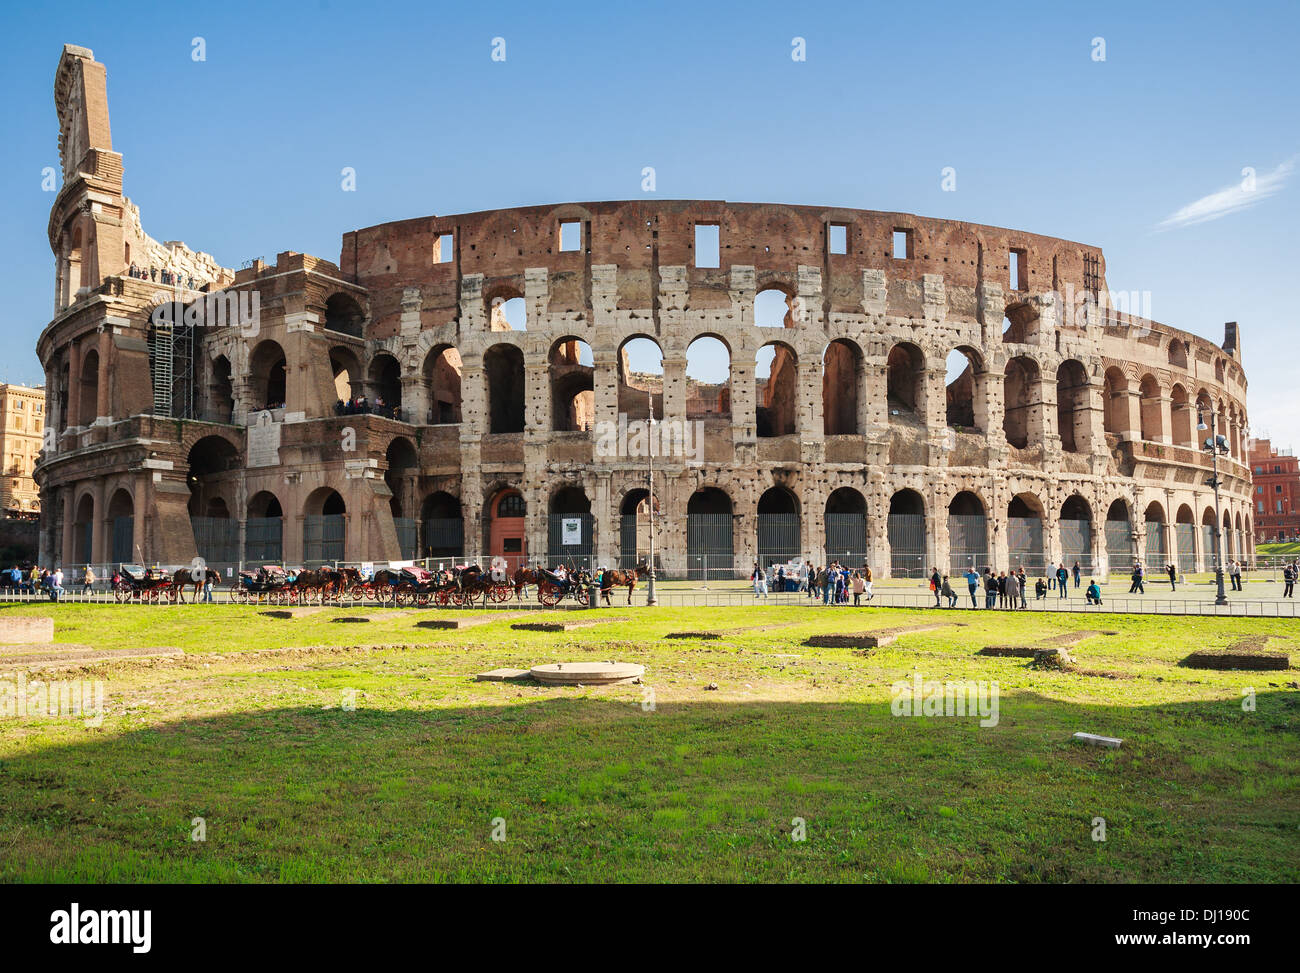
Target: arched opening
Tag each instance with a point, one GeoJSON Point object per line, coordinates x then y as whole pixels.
{"type": "Point", "coordinates": [442, 370]}
{"type": "Point", "coordinates": [402, 479]}
{"type": "Point", "coordinates": [1076, 533]}
{"type": "Point", "coordinates": [843, 376]}
{"type": "Point", "coordinates": [571, 528]}
{"type": "Point", "coordinates": [968, 534]}
{"type": "Point", "coordinates": [443, 526]}
{"type": "Point", "coordinates": [1178, 353]}
{"type": "Point", "coordinates": [220, 392]}
{"type": "Point", "coordinates": [1180, 411]}
{"type": "Point", "coordinates": [324, 527]}
{"type": "Point", "coordinates": [1229, 547]}
{"type": "Point", "coordinates": [965, 392]}
{"type": "Point", "coordinates": [774, 308]}
{"type": "Point", "coordinates": [214, 465]}
{"type": "Point", "coordinates": [1151, 411]}
{"type": "Point", "coordinates": [1022, 419]}
{"type": "Point", "coordinates": [264, 529]}
{"type": "Point", "coordinates": [83, 531]}
{"type": "Point", "coordinates": [640, 379]}
{"type": "Point", "coordinates": [905, 384]}
{"type": "Point", "coordinates": [908, 545]}
{"type": "Point", "coordinates": [1185, 539]}
{"type": "Point", "coordinates": [708, 379]}
{"type": "Point", "coordinates": [1115, 404]}
{"type": "Point", "coordinates": [507, 314]}
{"type": "Point", "coordinates": [89, 389]}
{"type": "Point", "coordinates": [344, 315]}
{"type": "Point", "coordinates": [1019, 325]}
{"type": "Point", "coordinates": [267, 377]}
{"type": "Point", "coordinates": [1157, 546]}
{"type": "Point", "coordinates": [1119, 537]}
{"type": "Point", "coordinates": [776, 391]}
{"type": "Point", "coordinates": [634, 528]}
{"type": "Point", "coordinates": [385, 381]}
{"type": "Point", "coordinates": [1072, 418]}
{"type": "Point", "coordinates": [709, 521]}
{"type": "Point", "coordinates": [505, 522]}
{"type": "Point", "coordinates": [846, 527]}
{"type": "Point", "coordinates": [1210, 538]}
{"type": "Point", "coordinates": [1025, 534]}
{"type": "Point", "coordinates": [121, 519]}
{"type": "Point", "coordinates": [573, 397]}
{"type": "Point", "coordinates": [777, 527]}
{"type": "Point", "coordinates": [348, 387]}
{"type": "Point", "coordinates": [503, 375]}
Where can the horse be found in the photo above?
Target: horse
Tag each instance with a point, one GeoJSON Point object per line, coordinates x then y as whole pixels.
{"type": "Point", "coordinates": [186, 576]}
{"type": "Point", "coordinates": [618, 579]}
{"type": "Point", "coordinates": [522, 578]}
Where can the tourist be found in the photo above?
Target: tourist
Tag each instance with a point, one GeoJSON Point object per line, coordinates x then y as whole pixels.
{"type": "Point", "coordinates": [866, 582]}
{"type": "Point", "coordinates": [1136, 578]}
{"type": "Point", "coordinates": [1236, 575]}
{"type": "Point", "coordinates": [972, 583]}
{"type": "Point", "coordinates": [1024, 588]}
{"type": "Point", "coordinates": [207, 588]}
{"type": "Point", "coordinates": [990, 589]}
{"type": "Point", "coordinates": [760, 581]}
{"type": "Point", "coordinates": [1002, 589]}
{"type": "Point", "coordinates": [1077, 574]}
{"type": "Point", "coordinates": [1040, 589]}
{"type": "Point", "coordinates": [1093, 594]}
{"type": "Point", "coordinates": [1172, 571]}
{"type": "Point", "coordinates": [1062, 580]}
{"type": "Point", "coordinates": [934, 585]}
{"type": "Point", "coordinates": [828, 584]}
{"type": "Point", "coordinates": [56, 584]}
{"type": "Point", "coordinates": [88, 581]}
{"type": "Point", "coordinates": [1288, 581]}
{"type": "Point", "coordinates": [1013, 590]}
{"type": "Point", "coordinates": [949, 593]}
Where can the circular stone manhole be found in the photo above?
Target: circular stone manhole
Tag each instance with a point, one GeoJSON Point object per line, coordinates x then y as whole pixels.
{"type": "Point", "coordinates": [586, 673]}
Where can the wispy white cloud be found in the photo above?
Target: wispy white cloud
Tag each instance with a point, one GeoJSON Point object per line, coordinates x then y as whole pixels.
{"type": "Point", "coordinates": [1230, 199]}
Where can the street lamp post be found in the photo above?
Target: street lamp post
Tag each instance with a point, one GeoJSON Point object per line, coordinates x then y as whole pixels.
{"type": "Point", "coordinates": [650, 597]}
{"type": "Point", "coordinates": [1214, 445]}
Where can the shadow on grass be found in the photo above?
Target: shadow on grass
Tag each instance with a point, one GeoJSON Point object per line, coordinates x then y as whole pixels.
{"type": "Point", "coordinates": [591, 789]}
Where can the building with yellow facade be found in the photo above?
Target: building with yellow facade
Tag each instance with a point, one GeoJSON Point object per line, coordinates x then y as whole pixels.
{"type": "Point", "coordinates": [22, 424]}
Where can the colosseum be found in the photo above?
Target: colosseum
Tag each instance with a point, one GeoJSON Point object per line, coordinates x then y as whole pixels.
{"type": "Point", "coordinates": [468, 386]}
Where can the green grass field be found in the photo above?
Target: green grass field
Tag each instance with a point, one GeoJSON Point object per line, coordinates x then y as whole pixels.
{"type": "Point", "coordinates": [1277, 550]}
{"type": "Point", "coordinates": [597, 784]}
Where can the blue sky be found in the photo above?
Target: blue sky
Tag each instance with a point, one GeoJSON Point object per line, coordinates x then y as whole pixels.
{"type": "Point", "coordinates": [240, 155]}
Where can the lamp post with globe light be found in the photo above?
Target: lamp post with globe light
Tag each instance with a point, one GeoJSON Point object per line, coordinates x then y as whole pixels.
{"type": "Point", "coordinates": [1214, 445]}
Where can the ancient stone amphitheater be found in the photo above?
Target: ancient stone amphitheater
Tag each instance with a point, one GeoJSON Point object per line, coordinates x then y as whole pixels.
{"type": "Point", "coordinates": [509, 358]}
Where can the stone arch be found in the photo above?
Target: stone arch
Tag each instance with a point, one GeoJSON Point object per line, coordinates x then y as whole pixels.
{"type": "Point", "coordinates": [1157, 544]}
{"type": "Point", "coordinates": [640, 361]}
{"type": "Point", "coordinates": [776, 394]}
{"type": "Point", "coordinates": [1178, 353]}
{"type": "Point", "coordinates": [88, 381]}
{"type": "Point", "coordinates": [504, 525]}
{"type": "Point", "coordinates": [846, 526]}
{"type": "Point", "coordinates": [402, 476]}
{"type": "Point", "coordinates": [1115, 395]}
{"type": "Point", "coordinates": [843, 380]}
{"type": "Point", "coordinates": [83, 530]}
{"type": "Point", "coordinates": [121, 520]}
{"type": "Point", "coordinates": [384, 381]}
{"type": "Point", "coordinates": [1022, 420]}
{"type": "Point", "coordinates": [774, 306]}
{"type": "Point", "coordinates": [708, 377]}
{"type": "Point", "coordinates": [1025, 516]}
{"type": "Point", "coordinates": [1119, 535]}
{"type": "Point", "coordinates": [968, 535]}
{"type": "Point", "coordinates": [1072, 407]}
{"type": "Point", "coordinates": [442, 524]}
{"type": "Point", "coordinates": [965, 393]}
{"type": "Point", "coordinates": [345, 366]}
{"type": "Point", "coordinates": [344, 315]}
{"type": "Point", "coordinates": [572, 373]}
{"type": "Point", "coordinates": [908, 539]}
{"type": "Point", "coordinates": [1019, 323]}
{"type": "Point", "coordinates": [710, 553]}
{"type": "Point", "coordinates": [905, 381]}
{"type": "Point", "coordinates": [324, 527]}
{"type": "Point", "coordinates": [268, 376]}
{"type": "Point", "coordinates": [503, 377]}
{"type": "Point", "coordinates": [1180, 414]}
{"type": "Point", "coordinates": [1151, 411]}
{"type": "Point", "coordinates": [442, 369]}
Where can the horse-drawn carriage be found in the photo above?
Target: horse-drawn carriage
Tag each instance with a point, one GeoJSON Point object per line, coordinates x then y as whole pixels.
{"type": "Point", "coordinates": [265, 584]}
{"type": "Point", "coordinates": [135, 582]}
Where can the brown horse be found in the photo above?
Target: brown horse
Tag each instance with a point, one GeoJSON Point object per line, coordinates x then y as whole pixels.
{"type": "Point", "coordinates": [619, 579]}
{"type": "Point", "coordinates": [523, 577]}
{"type": "Point", "coordinates": [190, 577]}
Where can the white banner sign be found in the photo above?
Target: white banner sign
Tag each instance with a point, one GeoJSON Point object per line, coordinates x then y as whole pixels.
{"type": "Point", "coordinates": [571, 531]}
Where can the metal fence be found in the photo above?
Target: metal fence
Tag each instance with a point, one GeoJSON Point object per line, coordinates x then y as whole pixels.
{"type": "Point", "coordinates": [1156, 551]}
{"type": "Point", "coordinates": [1025, 544]}
{"type": "Point", "coordinates": [908, 545]}
{"type": "Point", "coordinates": [1076, 543]}
{"type": "Point", "coordinates": [1185, 542]}
{"type": "Point", "coordinates": [846, 538]}
{"type": "Point", "coordinates": [709, 551]}
{"type": "Point", "coordinates": [322, 538]}
{"type": "Point", "coordinates": [570, 536]}
{"type": "Point", "coordinates": [444, 537]}
{"type": "Point", "coordinates": [406, 537]}
{"type": "Point", "coordinates": [1119, 545]}
{"type": "Point", "coordinates": [778, 538]}
{"type": "Point", "coordinates": [263, 540]}
{"type": "Point", "coordinates": [968, 543]}
{"type": "Point", "coordinates": [216, 538]}
{"type": "Point", "coordinates": [123, 539]}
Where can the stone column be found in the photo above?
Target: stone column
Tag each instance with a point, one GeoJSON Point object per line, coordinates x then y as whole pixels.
{"type": "Point", "coordinates": [104, 388]}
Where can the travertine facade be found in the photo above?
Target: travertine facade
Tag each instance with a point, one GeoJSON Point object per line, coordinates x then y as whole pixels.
{"type": "Point", "coordinates": [22, 424]}
{"type": "Point", "coordinates": [1071, 431]}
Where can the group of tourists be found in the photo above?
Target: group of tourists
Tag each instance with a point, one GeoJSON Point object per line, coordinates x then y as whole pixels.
{"type": "Point", "coordinates": [34, 580]}
{"type": "Point", "coordinates": [832, 583]}
{"type": "Point", "coordinates": [359, 405]}
{"type": "Point", "coordinates": [1009, 589]}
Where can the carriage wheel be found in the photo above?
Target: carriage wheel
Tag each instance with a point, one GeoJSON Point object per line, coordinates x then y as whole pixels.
{"type": "Point", "coordinates": [358, 593]}
{"type": "Point", "coordinates": [239, 595]}
{"type": "Point", "coordinates": [440, 597]}
{"type": "Point", "coordinates": [405, 595]}
{"type": "Point", "coordinates": [422, 598]}
{"type": "Point", "coordinates": [548, 595]}
{"type": "Point", "coordinates": [384, 592]}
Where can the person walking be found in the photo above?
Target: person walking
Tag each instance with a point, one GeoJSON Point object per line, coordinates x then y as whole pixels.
{"type": "Point", "coordinates": [760, 581]}
{"type": "Point", "coordinates": [972, 583]}
{"type": "Point", "coordinates": [88, 581]}
{"type": "Point", "coordinates": [858, 587]}
{"type": "Point", "coordinates": [1062, 580]}
{"type": "Point", "coordinates": [1136, 577]}
{"type": "Point", "coordinates": [1288, 581]}
{"type": "Point", "coordinates": [866, 582]}
{"type": "Point", "coordinates": [1236, 575]}
{"type": "Point", "coordinates": [1078, 574]}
